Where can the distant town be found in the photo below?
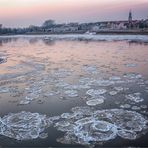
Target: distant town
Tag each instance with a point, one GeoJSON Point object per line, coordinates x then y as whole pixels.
{"type": "Point", "coordinates": [130, 26]}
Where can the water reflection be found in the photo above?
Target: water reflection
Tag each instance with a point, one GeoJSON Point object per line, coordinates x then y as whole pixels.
{"type": "Point", "coordinates": [33, 40]}
{"type": "Point", "coordinates": [6, 40]}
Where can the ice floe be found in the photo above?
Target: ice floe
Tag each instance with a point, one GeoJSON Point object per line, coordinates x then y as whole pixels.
{"type": "Point", "coordinates": [135, 108]}
{"type": "Point", "coordinates": [136, 97]}
{"type": "Point", "coordinates": [86, 81]}
{"type": "Point", "coordinates": [143, 106]}
{"type": "Point", "coordinates": [115, 78]}
{"type": "Point", "coordinates": [24, 102]}
{"type": "Point", "coordinates": [90, 69]}
{"type": "Point", "coordinates": [43, 135]}
{"type": "Point", "coordinates": [130, 65]}
{"type": "Point", "coordinates": [3, 60]}
{"type": "Point", "coordinates": [71, 93]}
{"type": "Point", "coordinates": [84, 111]}
{"type": "Point", "coordinates": [51, 93]}
{"type": "Point", "coordinates": [4, 90]}
{"type": "Point", "coordinates": [125, 106]}
{"type": "Point", "coordinates": [101, 126]}
{"type": "Point", "coordinates": [98, 130]}
{"type": "Point", "coordinates": [104, 82]}
{"type": "Point", "coordinates": [133, 76]}
{"type": "Point", "coordinates": [23, 125]}
{"type": "Point", "coordinates": [126, 134]}
{"type": "Point", "coordinates": [62, 84]}
{"type": "Point", "coordinates": [119, 89]}
{"type": "Point", "coordinates": [95, 93]}
{"type": "Point", "coordinates": [61, 73]}
{"type": "Point", "coordinates": [95, 102]}
{"type": "Point", "coordinates": [83, 126]}
{"type": "Point", "coordinates": [112, 93]}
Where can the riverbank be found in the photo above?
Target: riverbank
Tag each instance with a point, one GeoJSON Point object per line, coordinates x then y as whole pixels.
{"type": "Point", "coordinates": [105, 32]}
{"type": "Point", "coordinates": [126, 32]}
{"type": "Point", "coordinates": [111, 32]}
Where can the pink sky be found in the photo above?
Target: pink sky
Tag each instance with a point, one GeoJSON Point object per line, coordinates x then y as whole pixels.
{"type": "Point", "coordinates": [25, 12]}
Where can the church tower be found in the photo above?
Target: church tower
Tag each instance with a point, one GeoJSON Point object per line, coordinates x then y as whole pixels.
{"type": "Point", "coordinates": [130, 17]}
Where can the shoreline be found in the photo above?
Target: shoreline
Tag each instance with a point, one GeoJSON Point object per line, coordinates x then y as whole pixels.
{"type": "Point", "coordinates": [103, 32]}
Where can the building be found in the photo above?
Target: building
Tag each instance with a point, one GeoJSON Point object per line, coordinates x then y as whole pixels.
{"type": "Point", "coordinates": [95, 28]}
{"type": "Point", "coordinates": [64, 28]}
{"type": "Point", "coordinates": [130, 20]}
{"type": "Point", "coordinates": [130, 17]}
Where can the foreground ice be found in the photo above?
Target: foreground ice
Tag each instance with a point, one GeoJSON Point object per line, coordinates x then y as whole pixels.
{"type": "Point", "coordinates": [101, 125]}
{"type": "Point", "coordinates": [23, 125]}
{"type": "Point", "coordinates": [84, 125]}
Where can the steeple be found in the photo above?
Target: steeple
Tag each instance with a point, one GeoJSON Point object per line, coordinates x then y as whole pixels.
{"type": "Point", "coordinates": [130, 17]}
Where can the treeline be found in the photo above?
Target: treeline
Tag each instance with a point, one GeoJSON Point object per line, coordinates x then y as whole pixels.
{"type": "Point", "coordinates": [31, 28]}
{"type": "Point", "coordinates": [12, 31]}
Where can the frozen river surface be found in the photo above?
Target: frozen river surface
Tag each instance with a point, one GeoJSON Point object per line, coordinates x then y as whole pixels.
{"type": "Point", "coordinates": [73, 90]}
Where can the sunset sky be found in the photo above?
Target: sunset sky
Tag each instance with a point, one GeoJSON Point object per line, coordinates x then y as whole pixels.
{"type": "Point", "coordinates": [22, 13]}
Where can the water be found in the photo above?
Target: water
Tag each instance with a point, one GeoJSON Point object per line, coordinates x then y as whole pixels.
{"type": "Point", "coordinates": [73, 90]}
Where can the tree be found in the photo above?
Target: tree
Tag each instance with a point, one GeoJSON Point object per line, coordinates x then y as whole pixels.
{"type": "Point", "coordinates": [0, 28]}
{"type": "Point", "coordinates": [48, 24]}
{"type": "Point", "coordinates": [141, 25]}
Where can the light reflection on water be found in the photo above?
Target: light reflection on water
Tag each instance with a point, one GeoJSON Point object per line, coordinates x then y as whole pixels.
{"type": "Point", "coordinates": [36, 68]}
